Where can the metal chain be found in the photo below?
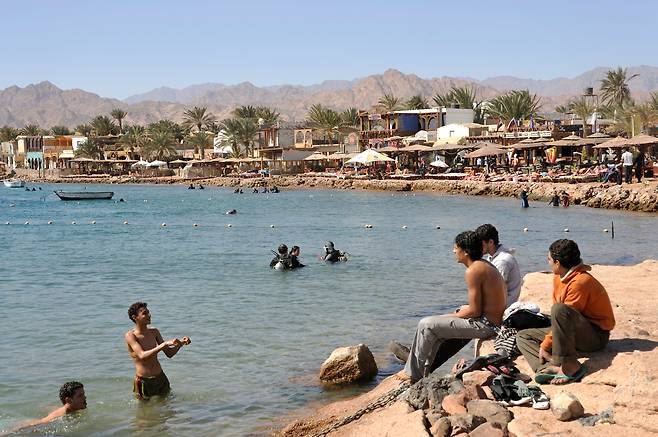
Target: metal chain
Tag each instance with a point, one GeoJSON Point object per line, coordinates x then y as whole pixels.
{"type": "Point", "coordinates": [382, 401]}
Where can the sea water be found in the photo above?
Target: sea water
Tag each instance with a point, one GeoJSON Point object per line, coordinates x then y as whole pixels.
{"type": "Point", "coordinates": [258, 335]}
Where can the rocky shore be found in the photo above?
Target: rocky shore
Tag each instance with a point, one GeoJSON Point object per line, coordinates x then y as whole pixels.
{"type": "Point", "coordinates": [622, 382]}
{"type": "Point", "coordinates": [633, 197]}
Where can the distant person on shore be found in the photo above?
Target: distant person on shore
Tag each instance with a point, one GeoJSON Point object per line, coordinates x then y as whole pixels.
{"type": "Point", "coordinates": [524, 199]}
{"type": "Point", "coordinates": [440, 337]}
{"type": "Point", "coordinates": [294, 258]}
{"type": "Point", "coordinates": [281, 260]}
{"type": "Point", "coordinates": [255, 190]}
{"type": "Point", "coordinates": [144, 344]}
{"type": "Point", "coordinates": [581, 317]}
{"type": "Point", "coordinates": [502, 259]}
{"type": "Point", "coordinates": [555, 200]}
{"type": "Point", "coordinates": [639, 166]}
{"type": "Point", "coordinates": [627, 160]}
{"type": "Point", "coordinates": [73, 398]}
{"type": "Point", "coordinates": [331, 254]}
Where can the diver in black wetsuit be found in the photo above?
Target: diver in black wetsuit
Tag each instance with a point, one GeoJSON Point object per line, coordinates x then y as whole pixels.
{"type": "Point", "coordinates": [294, 261]}
{"type": "Point", "coordinates": [274, 189]}
{"type": "Point", "coordinates": [281, 260]}
{"type": "Point", "coordinates": [332, 254]}
{"type": "Point", "coordinates": [524, 199]}
{"type": "Point", "coordinates": [191, 187]}
{"type": "Point", "coordinates": [555, 200]}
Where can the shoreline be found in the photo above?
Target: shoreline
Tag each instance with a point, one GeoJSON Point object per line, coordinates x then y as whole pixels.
{"type": "Point", "coordinates": [621, 377]}
{"type": "Point", "coordinates": [642, 197]}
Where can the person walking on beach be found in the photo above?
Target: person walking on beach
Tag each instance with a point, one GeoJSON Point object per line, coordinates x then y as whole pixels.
{"type": "Point", "coordinates": [440, 337]}
{"type": "Point", "coordinates": [144, 344]}
{"type": "Point", "coordinates": [581, 317]}
{"type": "Point", "coordinates": [73, 398]}
{"type": "Point", "coordinates": [639, 166]}
{"type": "Point", "coordinates": [502, 259]}
{"type": "Point", "coordinates": [627, 160]}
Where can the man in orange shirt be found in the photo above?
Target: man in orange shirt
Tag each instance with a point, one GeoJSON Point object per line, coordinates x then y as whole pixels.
{"type": "Point", "coordinates": [581, 318]}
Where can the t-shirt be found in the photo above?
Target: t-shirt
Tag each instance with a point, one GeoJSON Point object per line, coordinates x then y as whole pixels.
{"type": "Point", "coordinates": [509, 270]}
{"type": "Point", "coordinates": [627, 158]}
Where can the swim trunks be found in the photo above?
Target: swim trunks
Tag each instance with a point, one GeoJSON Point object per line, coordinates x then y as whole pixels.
{"type": "Point", "coordinates": [147, 386]}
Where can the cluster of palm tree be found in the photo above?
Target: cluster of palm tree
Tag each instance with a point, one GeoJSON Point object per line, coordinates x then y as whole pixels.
{"type": "Point", "coordinates": [465, 97]}
{"type": "Point", "coordinates": [330, 121]}
{"type": "Point", "coordinates": [240, 131]}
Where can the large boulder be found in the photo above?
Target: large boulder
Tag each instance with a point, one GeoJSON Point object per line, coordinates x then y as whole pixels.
{"type": "Point", "coordinates": [349, 364]}
{"type": "Point", "coordinates": [492, 411]}
{"type": "Point", "coordinates": [566, 406]}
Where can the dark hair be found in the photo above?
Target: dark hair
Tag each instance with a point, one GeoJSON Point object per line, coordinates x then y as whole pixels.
{"type": "Point", "coordinates": [488, 232]}
{"type": "Point", "coordinates": [294, 248]}
{"type": "Point", "coordinates": [134, 309]}
{"type": "Point", "coordinates": [565, 251]}
{"type": "Point", "coordinates": [68, 390]}
{"type": "Point", "coordinates": [283, 249]}
{"type": "Point", "coordinates": [471, 243]}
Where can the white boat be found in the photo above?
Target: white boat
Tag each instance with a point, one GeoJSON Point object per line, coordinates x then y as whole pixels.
{"type": "Point", "coordinates": [84, 195]}
{"type": "Point", "coordinates": [15, 183]}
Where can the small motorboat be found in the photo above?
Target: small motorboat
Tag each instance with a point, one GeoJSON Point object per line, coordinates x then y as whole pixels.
{"type": "Point", "coordinates": [84, 195]}
{"type": "Point", "coordinates": [14, 183]}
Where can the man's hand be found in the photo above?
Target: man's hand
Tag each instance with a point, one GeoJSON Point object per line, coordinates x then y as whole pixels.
{"type": "Point", "coordinates": [174, 342]}
{"type": "Point", "coordinates": [462, 308]}
{"type": "Point", "coordinates": [544, 356]}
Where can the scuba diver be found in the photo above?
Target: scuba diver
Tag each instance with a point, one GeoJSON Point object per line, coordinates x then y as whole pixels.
{"type": "Point", "coordinates": [294, 261]}
{"type": "Point", "coordinates": [332, 254]}
{"type": "Point", "coordinates": [524, 199]}
{"type": "Point", "coordinates": [231, 211]}
{"type": "Point", "coordinates": [191, 187]}
{"type": "Point", "coordinates": [274, 189]}
{"type": "Point", "coordinates": [255, 190]}
{"type": "Point", "coordinates": [555, 200]}
{"type": "Point", "coordinates": [201, 187]}
{"type": "Point", "coordinates": [281, 260]}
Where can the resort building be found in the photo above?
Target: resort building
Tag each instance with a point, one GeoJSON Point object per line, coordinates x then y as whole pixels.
{"type": "Point", "coordinates": [30, 150]}
{"type": "Point", "coordinates": [8, 152]}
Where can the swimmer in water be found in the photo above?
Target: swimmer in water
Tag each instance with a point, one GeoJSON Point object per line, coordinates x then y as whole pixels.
{"type": "Point", "coordinates": [332, 254]}
{"type": "Point", "coordinates": [294, 258]}
{"type": "Point", "coordinates": [281, 260]}
{"type": "Point", "coordinates": [73, 398]}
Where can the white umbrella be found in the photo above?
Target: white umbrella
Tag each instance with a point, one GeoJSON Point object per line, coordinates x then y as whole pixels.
{"type": "Point", "coordinates": [156, 163]}
{"type": "Point", "coordinates": [439, 163]}
{"type": "Point", "coordinates": [140, 163]}
{"type": "Point", "coordinates": [369, 156]}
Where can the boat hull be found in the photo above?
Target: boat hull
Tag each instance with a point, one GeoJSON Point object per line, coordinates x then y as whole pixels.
{"type": "Point", "coordinates": [84, 195]}
{"type": "Point", "coordinates": [14, 184]}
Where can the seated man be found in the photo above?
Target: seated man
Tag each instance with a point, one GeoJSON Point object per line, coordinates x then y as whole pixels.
{"type": "Point", "coordinates": [72, 395]}
{"type": "Point", "coordinates": [581, 317]}
{"type": "Point", "coordinates": [440, 337]}
{"type": "Point", "coordinates": [502, 259]}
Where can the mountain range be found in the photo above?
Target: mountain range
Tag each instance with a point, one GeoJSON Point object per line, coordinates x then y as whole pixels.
{"type": "Point", "coordinates": [47, 105]}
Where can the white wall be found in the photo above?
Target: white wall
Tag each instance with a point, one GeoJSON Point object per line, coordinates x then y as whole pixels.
{"type": "Point", "coordinates": [452, 130]}
{"type": "Point", "coordinates": [75, 142]}
{"type": "Point", "coordinates": [453, 115]}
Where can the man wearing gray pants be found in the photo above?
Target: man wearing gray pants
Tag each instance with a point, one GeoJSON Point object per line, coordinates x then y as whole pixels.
{"type": "Point", "coordinates": [440, 337]}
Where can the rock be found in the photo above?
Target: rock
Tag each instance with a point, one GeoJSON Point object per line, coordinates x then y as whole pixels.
{"type": "Point", "coordinates": [465, 422]}
{"type": "Point", "coordinates": [428, 390]}
{"type": "Point", "coordinates": [566, 406]}
{"type": "Point", "coordinates": [441, 428]}
{"type": "Point", "coordinates": [487, 430]}
{"type": "Point", "coordinates": [492, 411]}
{"type": "Point", "coordinates": [473, 392]}
{"type": "Point", "coordinates": [433, 416]}
{"type": "Point", "coordinates": [349, 364]}
{"type": "Point", "coordinates": [455, 387]}
{"type": "Point", "coordinates": [478, 377]}
{"type": "Point", "coordinates": [454, 404]}
{"type": "Point", "coordinates": [607, 416]}
{"type": "Point", "coordinates": [400, 351]}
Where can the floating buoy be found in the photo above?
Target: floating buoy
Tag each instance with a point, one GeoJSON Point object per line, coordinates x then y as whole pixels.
{"type": "Point", "coordinates": [27, 223]}
{"type": "Point", "coordinates": [164, 225]}
{"type": "Point", "coordinates": [11, 205]}
{"type": "Point", "coordinates": [566, 229]}
{"type": "Point", "coordinates": [368, 226]}
{"type": "Point", "coordinates": [73, 222]}
{"type": "Point", "coordinates": [7, 223]}
{"type": "Point", "coordinates": [605, 230]}
{"type": "Point", "coordinates": [145, 200]}
{"type": "Point", "coordinates": [125, 222]}
{"type": "Point", "coordinates": [404, 226]}
{"type": "Point", "coordinates": [194, 225]}
{"type": "Point", "coordinates": [228, 225]}
{"type": "Point", "coordinates": [272, 226]}
{"type": "Point", "coordinates": [50, 222]}
{"type": "Point", "coordinates": [438, 227]}
{"type": "Point", "coordinates": [525, 229]}
{"type": "Point", "coordinates": [93, 222]}
{"type": "Point", "coordinates": [413, 195]}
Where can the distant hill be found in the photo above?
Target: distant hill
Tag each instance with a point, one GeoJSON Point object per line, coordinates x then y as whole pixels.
{"type": "Point", "coordinates": [48, 105]}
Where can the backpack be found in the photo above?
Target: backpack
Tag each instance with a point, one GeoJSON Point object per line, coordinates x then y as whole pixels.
{"type": "Point", "coordinates": [526, 319]}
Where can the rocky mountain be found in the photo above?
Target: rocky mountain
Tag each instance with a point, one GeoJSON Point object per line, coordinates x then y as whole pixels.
{"type": "Point", "coordinates": [48, 105]}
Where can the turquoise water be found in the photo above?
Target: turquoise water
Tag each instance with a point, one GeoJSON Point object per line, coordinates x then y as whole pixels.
{"type": "Point", "coordinates": [258, 336]}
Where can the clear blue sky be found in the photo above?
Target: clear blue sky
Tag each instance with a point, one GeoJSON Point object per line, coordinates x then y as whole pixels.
{"type": "Point", "coordinates": [121, 47]}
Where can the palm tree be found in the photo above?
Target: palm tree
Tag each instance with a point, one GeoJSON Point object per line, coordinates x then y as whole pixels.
{"type": "Point", "coordinates": [103, 125]}
{"type": "Point", "coordinates": [134, 139]}
{"type": "Point", "coordinates": [416, 102]}
{"type": "Point", "coordinates": [563, 109]}
{"type": "Point", "coordinates": [583, 108]}
{"type": "Point", "coordinates": [200, 140]}
{"type": "Point", "coordinates": [515, 104]}
{"type": "Point", "coordinates": [197, 117]}
{"type": "Point", "coordinates": [177, 131]}
{"type": "Point", "coordinates": [160, 145]}
{"type": "Point", "coordinates": [325, 119]}
{"type": "Point", "coordinates": [269, 115]}
{"type": "Point", "coordinates": [84, 129]}
{"type": "Point", "coordinates": [90, 149]}
{"type": "Point", "coordinates": [31, 130]}
{"type": "Point", "coordinates": [119, 114]}
{"type": "Point", "coordinates": [350, 117]}
{"type": "Point", "coordinates": [8, 133]}
{"type": "Point", "coordinates": [390, 103]}
{"type": "Point", "coordinates": [247, 111]}
{"type": "Point", "coordinates": [614, 88]}
{"type": "Point", "coordinates": [240, 133]}
{"type": "Point", "coordinates": [60, 130]}
{"type": "Point", "coordinates": [653, 100]}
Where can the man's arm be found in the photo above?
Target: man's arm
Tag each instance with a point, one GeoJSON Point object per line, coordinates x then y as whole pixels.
{"type": "Point", "coordinates": [49, 418]}
{"type": "Point", "coordinates": [141, 354]}
{"type": "Point", "coordinates": [474, 287]}
{"type": "Point", "coordinates": [171, 350]}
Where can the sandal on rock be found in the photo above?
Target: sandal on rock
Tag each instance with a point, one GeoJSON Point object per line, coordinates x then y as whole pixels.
{"type": "Point", "coordinates": [547, 378]}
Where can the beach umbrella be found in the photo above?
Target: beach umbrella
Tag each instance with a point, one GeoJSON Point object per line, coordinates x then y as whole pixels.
{"type": "Point", "coordinates": [571, 140]}
{"type": "Point", "coordinates": [453, 147]}
{"type": "Point", "coordinates": [337, 155]}
{"type": "Point", "coordinates": [369, 156]}
{"type": "Point", "coordinates": [316, 157]}
{"type": "Point", "coordinates": [156, 163]}
{"type": "Point", "coordinates": [389, 149]}
{"type": "Point", "coordinates": [416, 148]}
{"type": "Point", "coordinates": [140, 163]}
{"type": "Point", "coordinates": [439, 163]}
{"type": "Point", "coordinates": [615, 143]}
{"type": "Point", "coordinates": [490, 150]}
{"type": "Point", "coordinates": [82, 159]}
{"type": "Point", "coordinates": [394, 138]}
{"type": "Point", "coordinates": [642, 140]}
{"type": "Point", "coordinates": [593, 139]}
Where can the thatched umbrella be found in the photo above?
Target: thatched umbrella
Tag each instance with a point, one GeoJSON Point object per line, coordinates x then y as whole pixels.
{"type": "Point", "coordinates": [593, 139]}
{"type": "Point", "coordinates": [615, 143]}
{"type": "Point", "coordinates": [416, 148]}
{"type": "Point", "coordinates": [642, 140]}
{"type": "Point", "coordinates": [316, 157]}
{"type": "Point", "coordinates": [389, 149]}
{"type": "Point", "coordinates": [489, 150]}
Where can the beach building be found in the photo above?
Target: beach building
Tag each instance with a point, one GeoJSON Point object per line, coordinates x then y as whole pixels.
{"type": "Point", "coordinates": [456, 131]}
{"type": "Point", "coordinates": [30, 150]}
{"type": "Point", "coordinates": [57, 152]}
{"type": "Point", "coordinates": [8, 152]}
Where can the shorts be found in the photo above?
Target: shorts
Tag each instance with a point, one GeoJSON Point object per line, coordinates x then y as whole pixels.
{"type": "Point", "coordinates": [147, 386]}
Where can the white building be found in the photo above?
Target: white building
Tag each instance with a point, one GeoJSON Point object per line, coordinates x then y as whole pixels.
{"type": "Point", "coordinates": [76, 140]}
{"type": "Point", "coordinates": [460, 130]}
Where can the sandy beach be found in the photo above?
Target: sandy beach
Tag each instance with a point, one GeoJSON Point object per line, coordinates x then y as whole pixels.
{"type": "Point", "coordinates": [621, 377]}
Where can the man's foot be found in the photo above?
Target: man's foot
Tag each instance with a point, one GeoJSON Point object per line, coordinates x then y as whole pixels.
{"type": "Point", "coordinates": [559, 376]}
{"type": "Point", "coordinates": [402, 376]}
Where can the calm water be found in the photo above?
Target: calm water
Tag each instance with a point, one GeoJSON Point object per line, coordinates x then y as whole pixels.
{"type": "Point", "coordinates": [258, 336]}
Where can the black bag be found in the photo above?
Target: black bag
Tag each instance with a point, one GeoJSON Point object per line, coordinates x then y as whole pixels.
{"type": "Point", "coordinates": [526, 319]}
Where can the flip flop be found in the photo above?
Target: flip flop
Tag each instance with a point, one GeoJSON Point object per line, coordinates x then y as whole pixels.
{"type": "Point", "coordinates": [546, 378]}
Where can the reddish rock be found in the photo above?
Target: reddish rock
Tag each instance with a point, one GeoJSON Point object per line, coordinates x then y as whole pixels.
{"type": "Point", "coordinates": [492, 411]}
{"type": "Point", "coordinates": [441, 428]}
{"type": "Point", "coordinates": [472, 392]}
{"type": "Point", "coordinates": [454, 404]}
{"type": "Point", "coordinates": [478, 377]}
{"type": "Point", "coordinates": [487, 430]}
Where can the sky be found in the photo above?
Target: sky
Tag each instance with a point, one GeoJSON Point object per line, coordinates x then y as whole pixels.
{"type": "Point", "coordinates": [119, 48]}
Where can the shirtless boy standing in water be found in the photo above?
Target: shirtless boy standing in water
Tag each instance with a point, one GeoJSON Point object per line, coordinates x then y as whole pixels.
{"type": "Point", "coordinates": [144, 343]}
